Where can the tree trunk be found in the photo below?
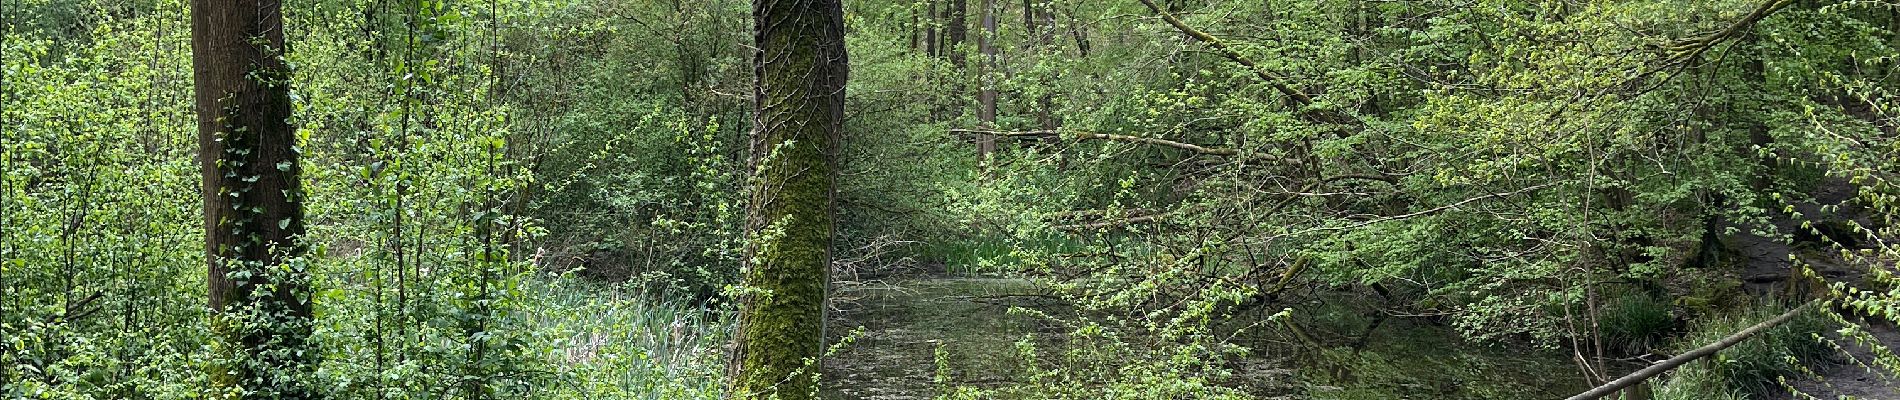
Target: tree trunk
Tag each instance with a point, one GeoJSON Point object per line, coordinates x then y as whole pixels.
{"type": "Point", "coordinates": [956, 31]}
{"type": "Point", "coordinates": [1080, 33]}
{"type": "Point", "coordinates": [1032, 29]}
{"type": "Point", "coordinates": [931, 24]}
{"type": "Point", "coordinates": [800, 73]}
{"type": "Point", "coordinates": [692, 62]}
{"type": "Point", "coordinates": [259, 290]}
{"type": "Point", "coordinates": [986, 69]}
{"type": "Point", "coordinates": [1040, 25]}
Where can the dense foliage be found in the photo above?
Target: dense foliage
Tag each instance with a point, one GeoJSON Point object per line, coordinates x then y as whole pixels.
{"type": "Point", "coordinates": [546, 198]}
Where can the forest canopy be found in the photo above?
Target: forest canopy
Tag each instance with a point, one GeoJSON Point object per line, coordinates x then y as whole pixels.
{"type": "Point", "coordinates": [954, 199]}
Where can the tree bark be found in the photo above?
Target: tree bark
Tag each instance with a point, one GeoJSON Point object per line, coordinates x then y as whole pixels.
{"type": "Point", "coordinates": [1030, 18]}
{"type": "Point", "coordinates": [1040, 25]}
{"type": "Point", "coordinates": [931, 25]}
{"type": "Point", "coordinates": [253, 216]}
{"type": "Point", "coordinates": [986, 68]}
{"type": "Point", "coordinates": [916, 34]}
{"type": "Point", "coordinates": [692, 61]}
{"type": "Point", "coordinates": [956, 31]}
{"type": "Point", "coordinates": [800, 73]}
{"type": "Point", "coordinates": [1081, 35]}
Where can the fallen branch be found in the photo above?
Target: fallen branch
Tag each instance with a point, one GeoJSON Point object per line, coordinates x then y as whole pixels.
{"type": "Point", "coordinates": [1275, 209]}
{"type": "Point", "coordinates": [1692, 355]}
{"type": "Point", "coordinates": [1432, 210]}
{"type": "Point", "coordinates": [1689, 48]}
{"type": "Point", "coordinates": [1270, 77]}
{"type": "Point", "coordinates": [1078, 135]}
{"type": "Point", "coordinates": [1381, 177]}
{"type": "Point", "coordinates": [1115, 222]}
{"type": "Point", "coordinates": [1158, 142]}
{"type": "Point", "coordinates": [1097, 213]}
{"type": "Point", "coordinates": [1287, 277]}
{"type": "Point", "coordinates": [1676, 54]}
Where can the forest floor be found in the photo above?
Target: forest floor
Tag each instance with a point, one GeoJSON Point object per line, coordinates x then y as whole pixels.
{"type": "Point", "coordinates": [1767, 267]}
{"type": "Point", "coordinates": [1854, 375]}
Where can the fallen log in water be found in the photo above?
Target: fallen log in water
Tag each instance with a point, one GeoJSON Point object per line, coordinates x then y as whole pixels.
{"type": "Point", "coordinates": [1704, 351]}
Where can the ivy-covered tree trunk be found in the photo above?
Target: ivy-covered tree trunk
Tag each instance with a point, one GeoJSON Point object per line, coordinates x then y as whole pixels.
{"type": "Point", "coordinates": [247, 154]}
{"type": "Point", "coordinates": [798, 102]}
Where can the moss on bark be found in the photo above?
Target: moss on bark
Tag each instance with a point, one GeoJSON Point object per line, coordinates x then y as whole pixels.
{"type": "Point", "coordinates": [799, 107]}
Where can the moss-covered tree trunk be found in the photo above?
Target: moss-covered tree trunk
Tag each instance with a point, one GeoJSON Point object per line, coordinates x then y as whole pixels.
{"type": "Point", "coordinates": [798, 102]}
{"type": "Point", "coordinates": [259, 290]}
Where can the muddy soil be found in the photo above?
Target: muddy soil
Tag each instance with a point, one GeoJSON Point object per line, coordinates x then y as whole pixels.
{"type": "Point", "coordinates": [1766, 268]}
{"type": "Point", "coordinates": [1855, 374]}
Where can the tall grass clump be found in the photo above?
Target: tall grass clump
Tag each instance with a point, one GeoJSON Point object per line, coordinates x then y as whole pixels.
{"type": "Point", "coordinates": [1752, 368]}
{"type": "Point", "coordinates": [624, 342]}
{"type": "Point", "coordinates": [1698, 382]}
{"type": "Point", "coordinates": [1636, 322]}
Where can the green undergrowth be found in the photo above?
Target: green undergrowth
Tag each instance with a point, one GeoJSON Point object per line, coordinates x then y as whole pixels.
{"type": "Point", "coordinates": [1754, 367]}
{"type": "Point", "coordinates": [621, 342]}
{"type": "Point", "coordinates": [988, 255]}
